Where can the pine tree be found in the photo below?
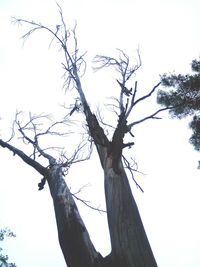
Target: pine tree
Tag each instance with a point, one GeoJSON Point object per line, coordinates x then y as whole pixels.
{"type": "Point", "coordinates": [183, 97]}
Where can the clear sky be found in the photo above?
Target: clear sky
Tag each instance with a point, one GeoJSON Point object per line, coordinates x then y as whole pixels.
{"type": "Point", "coordinates": [167, 34]}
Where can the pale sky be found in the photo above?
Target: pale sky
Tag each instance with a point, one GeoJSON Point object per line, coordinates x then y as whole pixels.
{"type": "Point", "coordinates": [167, 34]}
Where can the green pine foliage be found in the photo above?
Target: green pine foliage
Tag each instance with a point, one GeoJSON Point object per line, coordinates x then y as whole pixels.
{"type": "Point", "coordinates": [4, 258]}
{"type": "Point", "coordinates": [183, 98]}
{"type": "Point", "coordinates": [195, 138]}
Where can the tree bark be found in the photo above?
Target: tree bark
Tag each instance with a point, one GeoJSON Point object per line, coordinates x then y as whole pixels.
{"type": "Point", "coordinates": [77, 248]}
{"type": "Point", "coordinates": [129, 242]}
{"type": "Point", "coordinates": [74, 239]}
{"type": "Point", "coordinates": [130, 246]}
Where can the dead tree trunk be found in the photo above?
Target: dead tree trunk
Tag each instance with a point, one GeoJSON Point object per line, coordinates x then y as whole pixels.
{"type": "Point", "coordinates": [130, 246]}
{"type": "Point", "coordinates": [73, 236]}
{"type": "Point", "coordinates": [129, 242]}
{"type": "Point", "coordinates": [77, 248]}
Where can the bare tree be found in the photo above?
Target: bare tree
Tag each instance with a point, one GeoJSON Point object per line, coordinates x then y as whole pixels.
{"type": "Point", "coordinates": [129, 243]}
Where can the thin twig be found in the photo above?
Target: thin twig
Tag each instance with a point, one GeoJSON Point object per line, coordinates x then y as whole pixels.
{"type": "Point", "coordinates": [152, 116]}
{"type": "Point", "coordinates": [131, 170]}
{"type": "Point", "coordinates": [85, 202]}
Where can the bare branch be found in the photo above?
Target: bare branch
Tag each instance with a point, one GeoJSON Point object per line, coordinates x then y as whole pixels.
{"type": "Point", "coordinates": [104, 61]}
{"type": "Point", "coordinates": [129, 109]}
{"type": "Point", "coordinates": [152, 116]}
{"type": "Point", "coordinates": [129, 144]}
{"type": "Point", "coordinates": [13, 127]}
{"type": "Point", "coordinates": [36, 26]}
{"type": "Point", "coordinates": [74, 67]}
{"type": "Point", "coordinates": [74, 63]}
{"type": "Point", "coordinates": [78, 155]}
{"type": "Point", "coordinates": [81, 188]}
{"type": "Point", "coordinates": [24, 157]}
{"type": "Point", "coordinates": [129, 166]}
{"type": "Point", "coordinates": [121, 65]}
{"type": "Point", "coordinates": [148, 95]}
{"type": "Point", "coordinates": [101, 119]}
{"type": "Point", "coordinates": [127, 71]}
{"type": "Point", "coordinates": [86, 202]}
{"type": "Point", "coordinates": [31, 131]}
{"type": "Point", "coordinates": [36, 146]}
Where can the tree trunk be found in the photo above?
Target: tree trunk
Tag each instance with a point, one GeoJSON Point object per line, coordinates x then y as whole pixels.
{"type": "Point", "coordinates": [74, 239]}
{"type": "Point", "coordinates": [129, 242]}
{"type": "Point", "coordinates": [130, 246]}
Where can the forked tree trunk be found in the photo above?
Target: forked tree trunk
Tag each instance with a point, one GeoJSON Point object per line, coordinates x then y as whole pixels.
{"type": "Point", "coordinates": [130, 246]}
{"type": "Point", "coordinates": [129, 243]}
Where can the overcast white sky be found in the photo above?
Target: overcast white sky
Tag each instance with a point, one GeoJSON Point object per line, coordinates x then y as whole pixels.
{"type": "Point", "coordinates": [167, 33]}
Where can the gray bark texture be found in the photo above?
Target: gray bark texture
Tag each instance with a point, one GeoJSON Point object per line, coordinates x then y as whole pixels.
{"type": "Point", "coordinates": [130, 246]}
{"type": "Point", "coordinates": [129, 243]}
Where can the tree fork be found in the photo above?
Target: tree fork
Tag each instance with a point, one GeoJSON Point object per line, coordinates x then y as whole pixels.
{"type": "Point", "coordinates": [130, 246]}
